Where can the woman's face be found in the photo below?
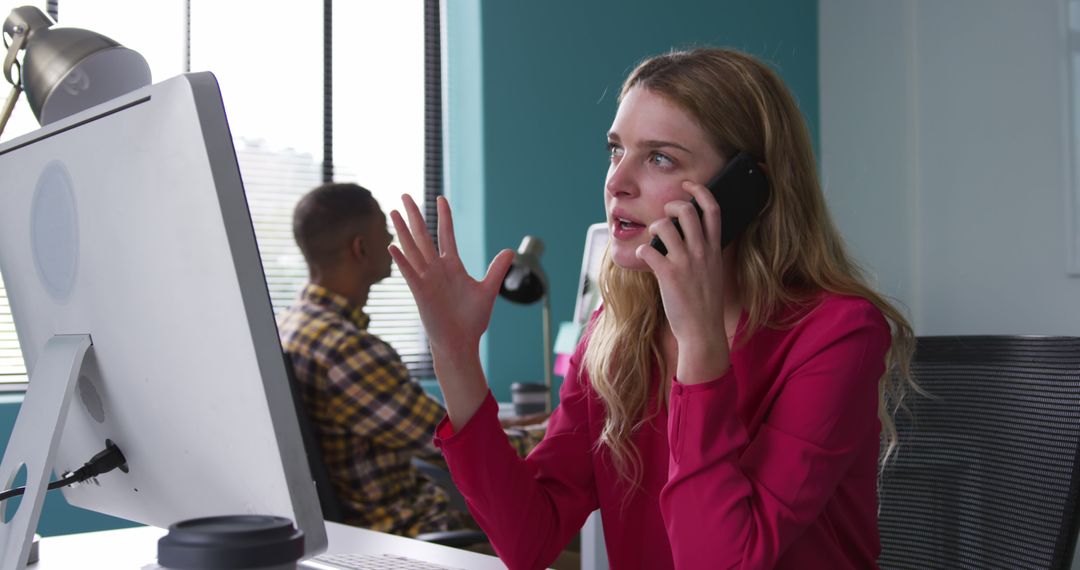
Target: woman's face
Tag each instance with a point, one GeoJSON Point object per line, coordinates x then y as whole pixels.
{"type": "Point", "coordinates": [655, 146]}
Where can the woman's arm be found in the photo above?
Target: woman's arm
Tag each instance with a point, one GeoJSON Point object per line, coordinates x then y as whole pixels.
{"type": "Point", "coordinates": [454, 308]}
{"type": "Point", "coordinates": [529, 508]}
{"type": "Point", "coordinates": [745, 501]}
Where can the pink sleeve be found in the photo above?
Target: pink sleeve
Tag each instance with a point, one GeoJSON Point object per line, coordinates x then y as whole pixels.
{"type": "Point", "coordinates": [529, 508]}
{"type": "Point", "coordinates": [746, 501]}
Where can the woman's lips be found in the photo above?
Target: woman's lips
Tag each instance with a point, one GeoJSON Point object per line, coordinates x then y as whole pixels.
{"type": "Point", "coordinates": [623, 227]}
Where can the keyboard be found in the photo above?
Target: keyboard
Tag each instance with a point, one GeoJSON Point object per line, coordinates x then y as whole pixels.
{"type": "Point", "coordinates": [369, 562]}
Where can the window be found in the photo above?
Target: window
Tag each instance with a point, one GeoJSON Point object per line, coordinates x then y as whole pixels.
{"type": "Point", "coordinates": [11, 362]}
{"type": "Point", "coordinates": [379, 137]}
{"type": "Point", "coordinates": [274, 105]}
{"type": "Point", "coordinates": [290, 134]}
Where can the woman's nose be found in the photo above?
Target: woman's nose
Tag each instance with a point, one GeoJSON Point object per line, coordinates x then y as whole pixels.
{"type": "Point", "coordinates": [621, 181]}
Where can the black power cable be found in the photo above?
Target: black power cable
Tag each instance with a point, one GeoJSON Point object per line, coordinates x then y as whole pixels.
{"type": "Point", "coordinates": [106, 460]}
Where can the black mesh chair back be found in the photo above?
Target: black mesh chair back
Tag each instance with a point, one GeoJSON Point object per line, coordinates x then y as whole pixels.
{"type": "Point", "coordinates": [328, 498]}
{"type": "Point", "coordinates": [986, 475]}
{"type": "Point", "coordinates": [332, 507]}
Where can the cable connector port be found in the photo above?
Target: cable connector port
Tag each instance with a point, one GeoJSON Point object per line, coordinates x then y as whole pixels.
{"type": "Point", "coordinates": [106, 460]}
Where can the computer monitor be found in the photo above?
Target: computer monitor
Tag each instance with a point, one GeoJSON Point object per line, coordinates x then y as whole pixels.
{"type": "Point", "coordinates": [588, 297]}
{"type": "Point", "coordinates": [588, 293]}
{"type": "Point", "coordinates": [128, 223]}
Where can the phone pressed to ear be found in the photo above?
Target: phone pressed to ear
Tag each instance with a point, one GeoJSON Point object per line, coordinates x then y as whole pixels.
{"type": "Point", "coordinates": [741, 189]}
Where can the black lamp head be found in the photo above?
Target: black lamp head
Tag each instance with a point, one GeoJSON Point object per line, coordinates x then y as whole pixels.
{"type": "Point", "coordinates": [526, 281]}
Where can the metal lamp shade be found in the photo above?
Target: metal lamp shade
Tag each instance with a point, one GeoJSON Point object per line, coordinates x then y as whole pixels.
{"type": "Point", "coordinates": [67, 70]}
{"type": "Point", "coordinates": [526, 281]}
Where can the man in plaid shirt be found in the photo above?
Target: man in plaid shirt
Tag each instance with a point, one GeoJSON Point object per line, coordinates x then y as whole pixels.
{"type": "Point", "coordinates": [369, 416]}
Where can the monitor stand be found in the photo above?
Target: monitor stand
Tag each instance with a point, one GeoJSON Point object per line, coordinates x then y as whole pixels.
{"type": "Point", "coordinates": [35, 439]}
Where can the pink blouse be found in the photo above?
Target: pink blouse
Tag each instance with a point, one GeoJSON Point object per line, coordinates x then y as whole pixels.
{"type": "Point", "coordinates": [772, 465]}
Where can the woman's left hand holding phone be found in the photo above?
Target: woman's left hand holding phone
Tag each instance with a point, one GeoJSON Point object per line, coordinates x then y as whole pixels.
{"type": "Point", "coordinates": [454, 308]}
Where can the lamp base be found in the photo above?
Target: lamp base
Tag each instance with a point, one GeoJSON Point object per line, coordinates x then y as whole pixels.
{"type": "Point", "coordinates": [529, 398]}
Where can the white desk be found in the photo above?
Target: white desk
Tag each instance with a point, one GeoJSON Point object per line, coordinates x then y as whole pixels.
{"type": "Point", "coordinates": [133, 548]}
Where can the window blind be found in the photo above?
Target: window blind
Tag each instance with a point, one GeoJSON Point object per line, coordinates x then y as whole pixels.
{"type": "Point", "coordinates": [275, 180]}
{"type": "Point", "coordinates": [11, 362]}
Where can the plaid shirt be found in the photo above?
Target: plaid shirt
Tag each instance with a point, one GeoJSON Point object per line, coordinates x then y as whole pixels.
{"type": "Point", "coordinates": [370, 417]}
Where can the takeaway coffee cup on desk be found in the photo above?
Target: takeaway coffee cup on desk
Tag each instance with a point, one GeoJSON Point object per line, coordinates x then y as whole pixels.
{"type": "Point", "coordinates": [253, 542]}
{"type": "Point", "coordinates": [528, 398]}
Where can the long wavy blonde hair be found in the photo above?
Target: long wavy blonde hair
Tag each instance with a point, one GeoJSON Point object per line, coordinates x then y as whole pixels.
{"type": "Point", "coordinates": [787, 257]}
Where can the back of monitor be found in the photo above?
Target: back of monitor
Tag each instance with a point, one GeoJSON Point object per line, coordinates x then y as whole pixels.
{"type": "Point", "coordinates": [128, 222]}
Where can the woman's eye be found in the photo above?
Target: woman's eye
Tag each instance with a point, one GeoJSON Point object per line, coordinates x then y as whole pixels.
{"type": "Point", "coordinates": [614, 150]}
{"type": "Point", "coordinates": [660, 160]}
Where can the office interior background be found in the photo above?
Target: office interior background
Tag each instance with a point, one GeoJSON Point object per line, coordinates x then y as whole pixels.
{"type": "Point", "coordinates": [946, 134]}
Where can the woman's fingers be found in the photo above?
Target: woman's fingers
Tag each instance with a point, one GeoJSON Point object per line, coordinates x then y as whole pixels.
{"type": "Point", "coordinates": [447, 243]}
{"type": "Point", "coordinates": [690, 223]}
{"type": "Point", "coordinates": [654, 259]}
{"type": "Point", "coordinates": [664, 228]}
{"type": "Point", "coordinates": [497, 271]}
{"type": "Point", "coordinates": [407, 271]}
{"type": "Point", "coordinates": [418, 229]}
{"type": "Point", "coordinates": [408, 246]}
{"type": "Point", "coordinates": [710, 210]}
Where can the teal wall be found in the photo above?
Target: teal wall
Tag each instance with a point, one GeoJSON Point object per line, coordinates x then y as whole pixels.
{"type": "Point", "coordinates": [57, 516]}
{"type": "Point", "coordinates": [534, 108]}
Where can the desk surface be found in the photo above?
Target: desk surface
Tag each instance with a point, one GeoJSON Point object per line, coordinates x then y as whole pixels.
{"type": "Point", "coordinates": [134, 548]}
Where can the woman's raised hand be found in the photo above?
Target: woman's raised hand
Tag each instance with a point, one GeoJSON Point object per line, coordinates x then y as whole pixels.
{"type": "Point", "coordinates": [454, 307]}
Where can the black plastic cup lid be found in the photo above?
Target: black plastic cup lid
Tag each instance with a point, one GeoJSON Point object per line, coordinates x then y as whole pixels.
{"type": "Point", "coordinates": [527, 387]}
{"type": "Point", "coordinates": [236, 541]}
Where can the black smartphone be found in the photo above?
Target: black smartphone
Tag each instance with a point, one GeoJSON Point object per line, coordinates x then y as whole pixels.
{"type": "Point", "coordinates": [742, 190]}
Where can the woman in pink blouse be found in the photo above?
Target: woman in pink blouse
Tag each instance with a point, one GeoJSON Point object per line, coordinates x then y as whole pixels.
{"type": "Point", "coordinates": [727, 407]}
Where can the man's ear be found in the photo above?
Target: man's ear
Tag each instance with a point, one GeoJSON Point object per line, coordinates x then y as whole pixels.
{"type": "Point", "coordinates": [358, 248]}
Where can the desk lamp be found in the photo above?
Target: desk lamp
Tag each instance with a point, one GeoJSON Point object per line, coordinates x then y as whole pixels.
{"type": "Point", "coordinates": [526, 283]}
{"type": "Point", "coordinates": [64, 70]}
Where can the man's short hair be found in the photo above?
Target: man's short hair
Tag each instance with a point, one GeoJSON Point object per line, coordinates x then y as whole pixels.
{"type": "Point", "coordinates": [327, 218]}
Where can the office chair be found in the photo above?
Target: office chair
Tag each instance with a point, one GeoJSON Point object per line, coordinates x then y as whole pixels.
{"type": "Point", "coordinates": [987, 473]}
{"type": "Point", "coordinates": [328, 498]}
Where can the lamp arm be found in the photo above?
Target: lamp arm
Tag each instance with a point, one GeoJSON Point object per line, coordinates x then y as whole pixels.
{"type": "Point", "coordinates": [9, 105]}
{"type": "Point", "coordinates": [20, 24]}
{"type": "Point", "coordinates": [19, 30]}
{"type": "Point", "coordinates": [18, 38]}
{"type": "Point", "coordinates": [547, 351]}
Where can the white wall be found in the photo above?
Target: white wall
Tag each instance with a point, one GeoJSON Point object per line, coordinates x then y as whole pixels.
{"type": "Point", "coordinates": [944, 130]}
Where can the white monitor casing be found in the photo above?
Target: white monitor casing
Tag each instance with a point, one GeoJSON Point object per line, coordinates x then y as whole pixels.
{"type": "Point", "coordinates": [588, 294]}
{"type": "Point", "coordinates": [128, 222]}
